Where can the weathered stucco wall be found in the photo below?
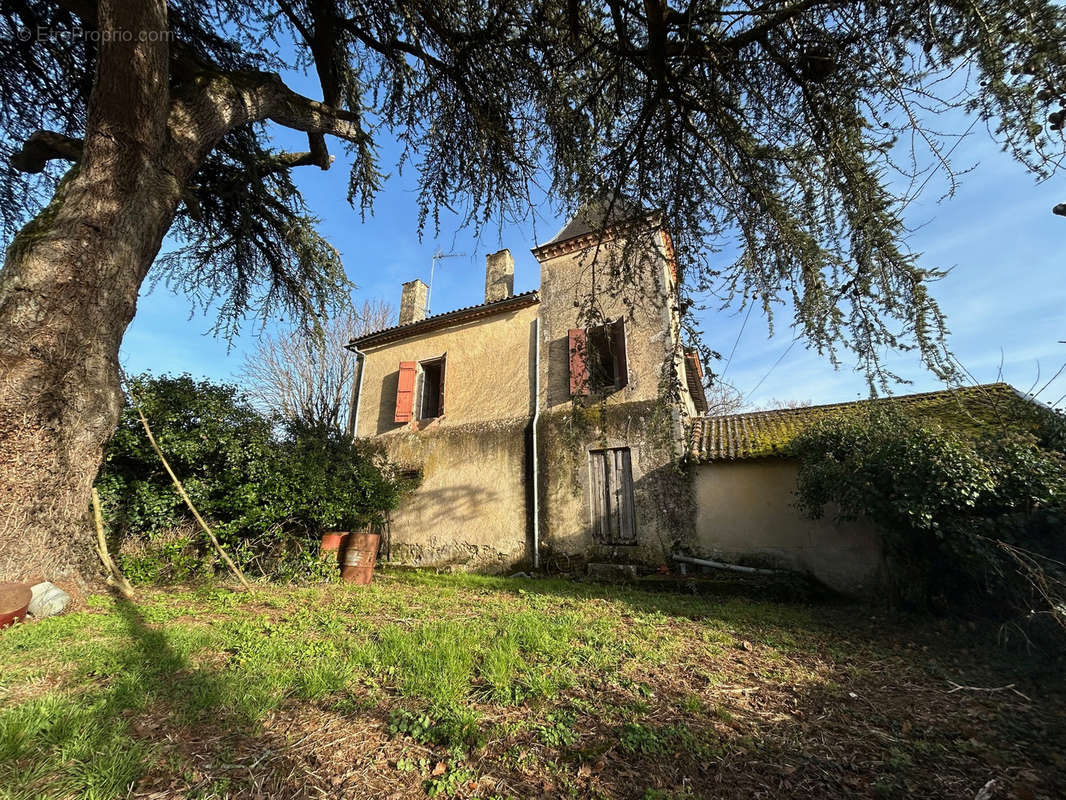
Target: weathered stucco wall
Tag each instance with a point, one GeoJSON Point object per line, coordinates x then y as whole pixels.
{"type": "Point", "coordinates": [641, 290]}
{"type": "Point", "coordinates": [475, 504]}
{"type": "Point", "coordinates": [662, 493]}
{"type": "Point", "coordinates": [489, 373]}
{"type": "Point", "coordinates": [566, 281]}
{"type": "Point", "coordinates": [471, 508]}
{"type": "Point", "coordinates": [745, 512]}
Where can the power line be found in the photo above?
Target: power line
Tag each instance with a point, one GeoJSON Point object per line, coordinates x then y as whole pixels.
{"type": "Point", "coordinates": [780, 358]}
{"type": "Point", "coordinates": [742, 327]}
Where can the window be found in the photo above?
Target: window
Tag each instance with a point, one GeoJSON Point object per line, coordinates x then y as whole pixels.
{"type": "Point", "coordinates": [432, 403]}
{"type": "Point", "coordinates": [598, 358]}
{"type": "Point", "coordinates": [611, 495]}
{"type": "Point", "coordinates": [430, 398]}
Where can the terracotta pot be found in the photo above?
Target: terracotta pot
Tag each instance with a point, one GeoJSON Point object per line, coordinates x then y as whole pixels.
{"type": "Point", "coordinates": [359, 557]}
{"type": "Point", "coordinates": [14, 600]}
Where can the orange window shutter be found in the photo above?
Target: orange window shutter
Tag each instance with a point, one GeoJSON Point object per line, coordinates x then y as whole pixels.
{"type": "Point", "coordinates": [579, 370]}
{"type": "Point", "coordinates": [405, 391]}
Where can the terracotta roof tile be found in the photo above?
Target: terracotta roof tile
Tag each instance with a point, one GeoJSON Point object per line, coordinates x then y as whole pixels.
{"type": "Point", "coordinates": [759, 434]}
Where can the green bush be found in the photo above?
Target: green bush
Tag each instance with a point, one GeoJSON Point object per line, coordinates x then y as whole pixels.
{"type": "Point", "coordinates": [269, 488]}
{"type": "Point", "coordinates": [319, 480]}
{"type": "Point", "coordinates": [173, 556]}
{"type": "Point", "coordinates": [971, 519]}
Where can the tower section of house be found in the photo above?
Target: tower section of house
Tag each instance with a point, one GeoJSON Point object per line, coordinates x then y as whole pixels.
{"type": "Point", "coordinates": [613, 391]}
{"type": "Point", "coordinates": [451, 396]}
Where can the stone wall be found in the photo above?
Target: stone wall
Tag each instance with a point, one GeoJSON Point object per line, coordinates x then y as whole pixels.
{"type": "Point", "coordinates": [662, 492]}
{"type": "Point", "coordinates": [636, 283]}
{"type": "Point", "coordinates": [474, 507]}
{"type": "Point", "coordinates": [488, 373]}
{"type": "Point", "coordinates": [568, 278]}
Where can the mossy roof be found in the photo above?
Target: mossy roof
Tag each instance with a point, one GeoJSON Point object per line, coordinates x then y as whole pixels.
{"type": "Point", "coordinates": [761, 434]}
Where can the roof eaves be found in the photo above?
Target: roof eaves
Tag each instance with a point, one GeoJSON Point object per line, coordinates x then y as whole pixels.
{"type": "Point", "coordinates": [453, 317]}
{"type": "Point", "coordinates": [578, 241]}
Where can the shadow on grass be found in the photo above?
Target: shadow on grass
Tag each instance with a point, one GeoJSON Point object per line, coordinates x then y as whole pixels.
{"type": "Point", "coordinates": [146, 716]}
{"type": "Point", "coordinates": [185, 725]}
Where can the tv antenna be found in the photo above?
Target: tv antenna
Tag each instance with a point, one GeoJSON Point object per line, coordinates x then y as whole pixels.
{"type": "Point", "coordinates": [437, 256]}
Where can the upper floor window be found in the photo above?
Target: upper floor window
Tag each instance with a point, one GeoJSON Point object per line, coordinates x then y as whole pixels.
{"type": "Point", "coordinates": [598, 358]}
{"type": "Point", "coordinates": [422, 382]}
{"type": "Point", "coordinates": [432, 401]}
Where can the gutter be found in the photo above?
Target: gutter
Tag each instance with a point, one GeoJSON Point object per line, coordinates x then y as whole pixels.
{"type": "Point", "coordinates": [357, 392]}
{"type": "Point", "coordinates": [536, 470]}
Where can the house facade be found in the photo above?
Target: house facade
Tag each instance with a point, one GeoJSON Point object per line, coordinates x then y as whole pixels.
{"type": "Point", "coordinates": [567, 425]}
{"type": "Point", "coordinates": [538, 421]}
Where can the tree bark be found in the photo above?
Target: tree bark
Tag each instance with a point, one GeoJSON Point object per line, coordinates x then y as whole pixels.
{"type": "Point", "coordinates": [68, 290]}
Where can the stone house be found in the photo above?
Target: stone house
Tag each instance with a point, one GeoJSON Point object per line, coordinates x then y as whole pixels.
{"type": "Point", "coordinates": [567, 425]}
{"type": "Point", "coordinates": [536, 420]}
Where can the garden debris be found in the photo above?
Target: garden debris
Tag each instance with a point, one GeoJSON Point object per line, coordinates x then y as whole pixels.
{"type": "Point", "coordinates": [14, 598]}
{"type": "Point", "coordinates": [955, 687]}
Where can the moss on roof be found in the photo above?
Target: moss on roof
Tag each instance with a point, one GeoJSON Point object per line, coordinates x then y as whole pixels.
{"type": "Point", "coordinates": [761, 434]}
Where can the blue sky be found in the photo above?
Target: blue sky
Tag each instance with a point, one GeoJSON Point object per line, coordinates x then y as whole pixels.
{"type": "Point", "coordinates": [1004, 297]}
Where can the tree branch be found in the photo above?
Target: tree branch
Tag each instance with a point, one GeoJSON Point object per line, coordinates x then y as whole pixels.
{"type": "Point", "coordinates": [310, 158]}
{"type": "Point", "coordinates": [282, 105]}
{"type": "Point", "coordinates": [783, 15]}
{"type": "Point", "coordinates": [215, 103]}
{"type": "Point", "coordinates": [45, 146]}
{"type": "Point", "coordinates": [393, 47]}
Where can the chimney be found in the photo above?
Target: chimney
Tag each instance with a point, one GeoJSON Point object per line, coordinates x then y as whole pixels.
{"type": "Point", "coordinates": [413, 302]}
{"type": "Point", "coordinates": [499, 276]}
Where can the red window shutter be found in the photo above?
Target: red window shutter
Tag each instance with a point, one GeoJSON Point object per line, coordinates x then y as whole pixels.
{"type": "Point", "coordinates": [405, 391]}
{"type": "Point", "coordinates": [618, 346]}
{"type": "Point", "coordinates": [579, 370]}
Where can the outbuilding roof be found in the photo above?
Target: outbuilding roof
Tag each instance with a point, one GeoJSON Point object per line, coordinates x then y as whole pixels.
{"type": "Point", "coordinates": [759, 434]}
{"type": "Point", "coordinates": [443, 320]}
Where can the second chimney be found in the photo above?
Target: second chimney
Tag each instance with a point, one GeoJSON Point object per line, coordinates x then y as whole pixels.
{"type": "Point", "coordinates": [499, 276]}
{"type": "Point", "coordinates": [413, 302]}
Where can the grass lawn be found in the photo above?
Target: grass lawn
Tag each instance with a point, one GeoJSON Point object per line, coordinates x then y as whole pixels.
{"type": "Point", "coordinates": [465, 686]}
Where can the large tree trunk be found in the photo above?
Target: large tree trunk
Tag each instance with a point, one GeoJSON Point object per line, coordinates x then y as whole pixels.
{"type": "Point", "coordinates": [70, 280]}
{"type": "Point", "coordinates": [68, 290]}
